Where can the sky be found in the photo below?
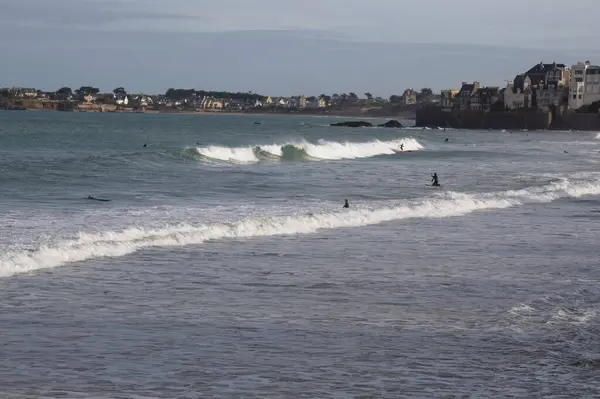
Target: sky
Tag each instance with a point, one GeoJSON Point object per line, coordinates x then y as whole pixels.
{"type": "Point", "coordinates": [285, 47]}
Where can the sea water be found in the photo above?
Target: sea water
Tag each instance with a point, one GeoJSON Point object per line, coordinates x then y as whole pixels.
{"type": "Point", "coordinates": [225, 266]}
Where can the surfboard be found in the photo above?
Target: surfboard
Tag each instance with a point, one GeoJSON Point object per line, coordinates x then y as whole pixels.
{"type": "Point", "coordinates": [99, 199]}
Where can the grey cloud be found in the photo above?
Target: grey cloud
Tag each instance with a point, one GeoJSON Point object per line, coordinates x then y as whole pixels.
{"type": "Point", "coordinates": [260, 61]}
{"type": "Point", "coordinates": [286, 47]}
{"type": "Point", "coordinates": [82, 14]}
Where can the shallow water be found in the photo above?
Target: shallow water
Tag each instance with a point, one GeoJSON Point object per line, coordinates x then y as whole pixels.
{"type": "Point", "coordinates": [219, 269]}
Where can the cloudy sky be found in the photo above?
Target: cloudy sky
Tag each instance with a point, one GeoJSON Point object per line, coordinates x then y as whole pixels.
{"type": "Point", "coordinates": [288, 46]}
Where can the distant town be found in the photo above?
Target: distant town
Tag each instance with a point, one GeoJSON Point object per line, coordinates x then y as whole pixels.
{"type": "Point", "coordinates": [544, 96]}
{"type": "Point", "coordinates": [90, 99]}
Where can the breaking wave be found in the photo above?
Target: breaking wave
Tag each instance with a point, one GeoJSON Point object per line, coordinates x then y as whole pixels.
{"type": "Point", "coordinates": [322, 150]}
{"type": "Point", "coordinates": [598, 136]}
{"type": "Point", "coordinates": [118, 243]}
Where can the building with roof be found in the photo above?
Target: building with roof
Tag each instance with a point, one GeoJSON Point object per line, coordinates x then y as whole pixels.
{"type": "Point", "coordinates": [584, 88]}
{"type": "Point", "coordinates": [447, 98]}
{"type": "Point", "coordinates": [462, 100]}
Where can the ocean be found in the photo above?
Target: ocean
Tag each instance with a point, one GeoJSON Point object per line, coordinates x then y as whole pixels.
{"type": "Point", "coordinates": [224, 265]}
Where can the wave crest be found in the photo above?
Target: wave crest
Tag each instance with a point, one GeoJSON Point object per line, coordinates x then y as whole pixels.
{"type": "Point", "coordinates": [119, 243]}
{"type": "Point", "coordinates": [322, 150]}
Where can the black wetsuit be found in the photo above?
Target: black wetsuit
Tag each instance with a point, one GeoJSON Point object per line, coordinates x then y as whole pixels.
{"type": "Point", "coordinates": [435, 180]}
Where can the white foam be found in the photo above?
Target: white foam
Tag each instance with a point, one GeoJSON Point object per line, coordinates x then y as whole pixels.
{"type": "Point", "coordinates": [119, 243]}
{"type": "Point", "coordinates": [227, 154]}
{"type": "Point", "coordinates": [598, 136]}
{"type": "Point", "coordinates": [332, 150]}
{"type": "Point", "coordinates": [274, 149]}
{"type": "Point", "coordinates": [323, 149]}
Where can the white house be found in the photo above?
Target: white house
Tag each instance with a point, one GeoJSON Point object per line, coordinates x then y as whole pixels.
{"type": "Point", "coordinates": [122, 100]}
{"type": "Point", "coordinates": [515, 98]}
{"type": "Point", "coordinates": [584, 88]}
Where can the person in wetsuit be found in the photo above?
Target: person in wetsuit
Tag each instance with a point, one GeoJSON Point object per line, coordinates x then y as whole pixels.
{"type": "Point", "coordinates": [346, 204]}
{"type": "Point", "coordinates": [434, 179]}
{"type": "Point", "coordinates": [445, 141]}
{"type": "Point", "coordinates": [401, 146]}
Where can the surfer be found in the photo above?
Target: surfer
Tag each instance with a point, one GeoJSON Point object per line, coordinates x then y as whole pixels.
{"type": "Point", "coordinates": [434, 179]}
{"type": "Point", "coordinates": [445, 141]}
{"type": "Point", "coordinates": [145, 145]}
{"type": "Point", "coordinates": [401, 146]}
{"type": "Point", "coordinates": [90, 196]}
{"type": "Point", "coordinates": [346, 204]}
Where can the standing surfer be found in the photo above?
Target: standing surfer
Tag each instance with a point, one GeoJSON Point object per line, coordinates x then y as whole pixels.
{"type": "Point", "coordinates": [434, 179]}
{"type": "Point", "coordinates": [346, 204]}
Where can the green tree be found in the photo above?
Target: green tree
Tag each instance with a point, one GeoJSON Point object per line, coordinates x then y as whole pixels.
{"type": "Point", "coordinates": [426, 91]}
{"type": "Point", "coordinates": [369, 96]}
{"type": "Point", "coordinates": [180, 94]}
{"type": "Point", "coordinates": [85, 90]}
{"type": "Point", "coordinates": [64, 91]}
{"type": "Point", "coordinates": [119, 91]}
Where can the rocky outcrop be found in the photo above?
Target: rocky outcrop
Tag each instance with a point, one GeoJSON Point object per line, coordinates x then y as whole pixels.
{"type": "Point", "coordinates": [391, 123]}
{"type": "Point", "coordinates": [353, 124]}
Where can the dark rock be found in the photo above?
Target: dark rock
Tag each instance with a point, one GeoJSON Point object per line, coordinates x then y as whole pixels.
{"type": "Point", "coordinates": [353, 124]}
{"type": "Point", "coordinates": [392, 123]}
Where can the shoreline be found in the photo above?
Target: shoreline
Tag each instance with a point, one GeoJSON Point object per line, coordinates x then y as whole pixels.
{"type": "Point", "coordinates": [337, 115]}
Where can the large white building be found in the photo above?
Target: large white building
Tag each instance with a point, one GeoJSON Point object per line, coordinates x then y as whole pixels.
{"type": "Point", "coordinates": [584, 88]}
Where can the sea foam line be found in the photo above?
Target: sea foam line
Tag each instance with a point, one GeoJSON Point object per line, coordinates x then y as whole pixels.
{"type": "Point", "coordinates": [120, 243]}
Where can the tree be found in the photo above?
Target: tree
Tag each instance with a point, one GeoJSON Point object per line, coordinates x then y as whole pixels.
{"type": "Point", "coordinates": [353, 96]}
{"type": "Point", "coordinates": [426, 91]}
{"type": "Point", "coordinates": [395, 99]}
{"type": "Point", "coordinates": [119, 91]}
{"type": "Point", "coordinates": [85, 90]}
{"type": "Point", "coordinates": [180, 94]}
{"type": "Point", "coordinates": [369, 96]}
{"type": "Point", "coordinates": [64, 91]}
